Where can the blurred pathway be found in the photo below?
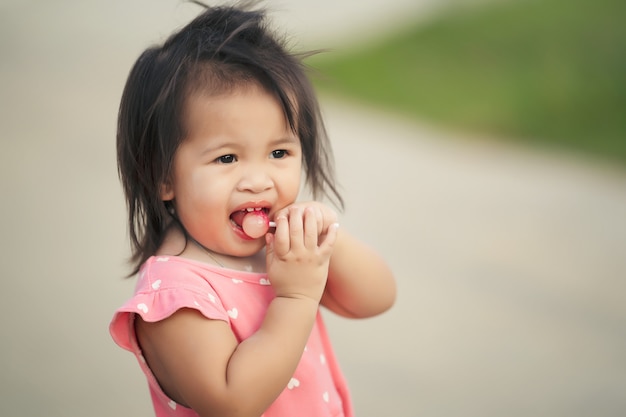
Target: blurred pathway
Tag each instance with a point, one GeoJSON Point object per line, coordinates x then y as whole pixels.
{"type": "Point", "coordinates": [511, 273]}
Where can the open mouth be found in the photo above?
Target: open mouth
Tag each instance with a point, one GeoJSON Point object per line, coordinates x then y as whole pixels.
{"type": "Point", "coordinates": [237, 217]}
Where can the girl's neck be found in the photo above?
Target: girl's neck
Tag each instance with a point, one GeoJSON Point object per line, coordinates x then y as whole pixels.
{"type": "Point", "coordinates": [177, 244]}
{"type": "Point", "coordinates": [254, 263]}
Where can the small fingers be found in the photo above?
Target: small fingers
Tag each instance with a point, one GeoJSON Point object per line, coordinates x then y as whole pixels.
{"type": "Point", "coordinates": [281, 241]}
{"type": "Point", "coordinates": [296, 226]}
{"type": "Point", "coordinates": [320, 219]}
{"type": "Point", "coordinates": [312, 225]}
{"type": "Point", "coordinates": [330, 238]}
{"type": "Point", "coordinates": [299, 226]}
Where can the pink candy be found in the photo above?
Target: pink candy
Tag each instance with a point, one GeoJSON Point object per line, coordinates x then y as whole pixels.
{"type": "Point", "coordinates": [255, 224]}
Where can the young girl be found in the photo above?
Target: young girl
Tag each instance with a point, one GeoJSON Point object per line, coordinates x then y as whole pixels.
{"type": "Point", "coordinates": [215, 128]}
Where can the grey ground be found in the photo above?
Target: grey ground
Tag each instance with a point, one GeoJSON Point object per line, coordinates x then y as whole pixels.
{"type": "Point", "coordinates": [510, 263]}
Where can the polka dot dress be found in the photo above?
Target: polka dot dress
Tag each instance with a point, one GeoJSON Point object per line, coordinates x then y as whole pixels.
{"type": "Point", "coordinates": [240, 298]}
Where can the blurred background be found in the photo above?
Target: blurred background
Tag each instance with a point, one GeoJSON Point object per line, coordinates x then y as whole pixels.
{"type": "Point", "coordinates": [480, 146]}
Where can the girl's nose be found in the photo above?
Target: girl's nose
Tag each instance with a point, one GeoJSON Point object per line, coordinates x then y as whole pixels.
{"type": "Point", "coordinates": [255, 180]}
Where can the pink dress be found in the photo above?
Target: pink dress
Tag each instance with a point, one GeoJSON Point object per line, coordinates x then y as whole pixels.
{"type": "Point", "coordinates": [167, 284]}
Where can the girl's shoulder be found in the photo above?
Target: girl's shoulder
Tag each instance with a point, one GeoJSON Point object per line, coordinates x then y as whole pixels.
{"type": "Point", "coordinates": [168, 283]}
{"type": "Point", "coordinates": [164, 286]}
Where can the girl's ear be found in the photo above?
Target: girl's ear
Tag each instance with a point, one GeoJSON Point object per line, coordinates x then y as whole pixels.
{"type": "Point", "coordinates": [167, 191]}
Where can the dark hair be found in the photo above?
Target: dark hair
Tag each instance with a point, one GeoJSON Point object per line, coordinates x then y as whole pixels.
{"type": "Point", "coordinates": [222, 48]}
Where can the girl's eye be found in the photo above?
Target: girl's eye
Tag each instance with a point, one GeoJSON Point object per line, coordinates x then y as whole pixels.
{"type": "Point", "coordinates": [279, 153]}
{"type": "Point", "coordinates": [226, 159]}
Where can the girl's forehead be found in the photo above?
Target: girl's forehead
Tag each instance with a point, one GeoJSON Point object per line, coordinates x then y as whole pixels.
{"type": "Point", "coordinates": [218, 79]}
{"type": "Point", "coordinates": [235, 113]}
{"type": "Point", "coordinates": [216, 101]}
{"type": "Point", "coordinates": [205, 96]}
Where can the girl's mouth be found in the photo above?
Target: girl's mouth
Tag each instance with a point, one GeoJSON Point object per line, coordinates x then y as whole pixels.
{"type": "Point", "coordinates": [237, 218]}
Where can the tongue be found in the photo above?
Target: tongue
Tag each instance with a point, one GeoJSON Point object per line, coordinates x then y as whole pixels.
{"type": "Point", "coordinates": [255, 224]}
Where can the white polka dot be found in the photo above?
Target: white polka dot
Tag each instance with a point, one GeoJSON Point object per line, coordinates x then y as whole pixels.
{"type": "Point", "coordinates": [233, 313]}
{"type": "Point", "coordinates": [142, 307]}
{"type": "Point", "coordinates": [211, 298]}
{"type": "Point", "coordinates": [237, 281]}
{"type": "Point", "coordinates": [162, 259]}
{"type": "Point", "coordinates": [156, 284]}
{"type": "Point", "coordinates": [322, 359]}
{"type": "Point", "coordinates": [326, 397]}
{"type": "Point", "coordinates": [172, 404]}
{"type": "Point", "coordinates": [293, 383]}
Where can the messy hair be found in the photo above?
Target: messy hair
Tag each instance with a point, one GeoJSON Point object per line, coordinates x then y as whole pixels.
{"type": "Point", "coordinates": [222, 48]}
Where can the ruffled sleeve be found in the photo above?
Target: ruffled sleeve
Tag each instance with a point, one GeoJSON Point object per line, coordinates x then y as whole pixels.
{"type": "Point", "coordinates": [164, 287]}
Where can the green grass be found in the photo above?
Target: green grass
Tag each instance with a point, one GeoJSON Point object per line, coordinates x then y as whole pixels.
{"type": "Point", "coordinates": [551, 72]}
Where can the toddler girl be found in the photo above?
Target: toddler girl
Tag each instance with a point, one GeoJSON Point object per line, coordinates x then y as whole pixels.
{"type": "Point", "coordinates": [217, 125]}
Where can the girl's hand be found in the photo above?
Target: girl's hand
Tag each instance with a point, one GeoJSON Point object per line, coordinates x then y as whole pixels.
{"type": "Point", "coordinates": [298, 253]}
{"type": "Point", "coordinates": [325, 215]}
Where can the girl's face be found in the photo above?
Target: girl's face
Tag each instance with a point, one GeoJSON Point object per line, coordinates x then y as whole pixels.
{"type": "Point", "coordinates": [239, 153]}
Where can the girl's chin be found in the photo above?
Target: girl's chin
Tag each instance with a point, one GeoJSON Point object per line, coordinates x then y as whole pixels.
{"type": "Point", "coordinates": [249, 247]}
{"type": "Point", "coordinates": [251, 258]}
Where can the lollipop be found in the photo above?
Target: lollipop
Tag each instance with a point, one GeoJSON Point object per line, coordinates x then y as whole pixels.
{"type": "Point", "coordinates": [256, 224]}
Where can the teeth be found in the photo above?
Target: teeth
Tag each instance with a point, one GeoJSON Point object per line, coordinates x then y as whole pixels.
{"type": "Point", "coordinates": [251, 209]}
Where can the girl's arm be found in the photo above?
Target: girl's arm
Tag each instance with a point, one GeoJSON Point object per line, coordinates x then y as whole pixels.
{"type": "Point", "coordinates": [360, 284]}
{"type": "Point", "coordinates": [200, 364]}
